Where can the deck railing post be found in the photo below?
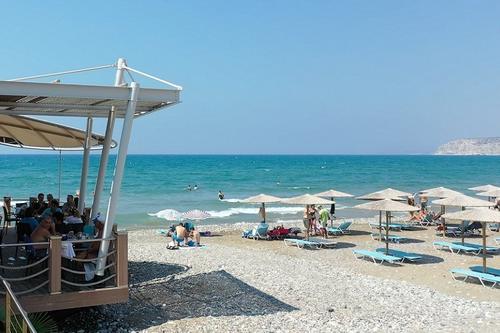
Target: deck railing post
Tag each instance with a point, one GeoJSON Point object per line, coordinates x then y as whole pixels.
{"type": "Point", "coordinates": [7, 312]}
{"type": "Point", "coordinates": [55, 264]}
{"type": "Point", "coordinates": [121, 259]}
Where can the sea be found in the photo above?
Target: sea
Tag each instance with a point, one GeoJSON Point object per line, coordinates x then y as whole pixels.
{"type": "Point", "coordinates": [155, 184]}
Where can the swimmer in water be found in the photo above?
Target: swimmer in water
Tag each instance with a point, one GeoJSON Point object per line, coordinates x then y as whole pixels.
{"type": "Point", "coordinates": [188, 188]}
{"type": "Point", "coordinates": [195, 187]}
{"type": "Point", "coordinates": [221, 195]}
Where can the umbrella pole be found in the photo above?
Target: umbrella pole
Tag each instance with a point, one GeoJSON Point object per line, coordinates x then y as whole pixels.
{"type": "Point", "coordinates": [443, 224]}
{"type": "Point", "coordinates": [387, 218]}
{"type": "Point", "coordinates": [264, 212]}
{"type": "Point", "coordinates": [60, 172]}
{"type": "Point", "coordinates": [484, 247]}
{"type": "Point", "coordinates": [463, 233]}
{"type": "Point", "coordinates": [380, 224]}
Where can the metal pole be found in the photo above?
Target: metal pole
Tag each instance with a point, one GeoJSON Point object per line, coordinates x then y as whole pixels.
{"type": "Point", "coordinates": [85, 167]}
{"type": "Point", "coordinates": [118, 176]}
{"type": "Point", "coordinates": [103, 163]}
{"type": "Point", "coordinates": [60, 172]}
{"type": "Point", "coordinates": [380, 224]}
{"type": "Point", "coordinates": [264, 212]}
{"type": "Point", "coordinates": [387, 217]}
{"type": "Point", "coordinates": [484, 246]}
{"type": "Point", "coordinates": [463, 232]}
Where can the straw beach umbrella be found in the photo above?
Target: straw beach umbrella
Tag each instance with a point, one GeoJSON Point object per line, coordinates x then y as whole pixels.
{"type": "Point", "coordinates": [332, 194]}
{"type": "Point", "coordinates": [307, 199]}
{"type": "Point", "coordinates": [495, 193]}
{"type": "Point", "coordinates": [484, 188]}
{"type": "Point", "coordinates": [387, 206]}
{"type": "Point", "coordinates": [262, 199]}
{"type": "Point", "coordinates": [388, 193]}
{"type": "Point", "coordinates": [483, 215]}
{"type": "Point", "coordinates": [440, 192]}
{"type": "Point", "coordinates": [462, 201]}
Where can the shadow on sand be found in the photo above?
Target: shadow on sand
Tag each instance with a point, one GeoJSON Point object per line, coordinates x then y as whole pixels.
{"type": "Point", "coordinates": [215, 294]}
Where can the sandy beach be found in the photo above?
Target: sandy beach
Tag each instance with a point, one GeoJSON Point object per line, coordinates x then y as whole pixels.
{"type": "Point", "coordinates": [240, 285]}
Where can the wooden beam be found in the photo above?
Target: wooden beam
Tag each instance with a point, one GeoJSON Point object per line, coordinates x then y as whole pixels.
{"type": "Point", "coordinates": [70, 300]}
{"type": "Point", "coordinates": [122, 259]}
{"type": "Point", "coordinates": [55, 265]}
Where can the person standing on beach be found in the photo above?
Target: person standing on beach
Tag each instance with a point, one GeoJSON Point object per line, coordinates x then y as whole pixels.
{"type": "Point", "coordinates": [305, 220]}
{"type": "Point", "coordinates": [324, 216]}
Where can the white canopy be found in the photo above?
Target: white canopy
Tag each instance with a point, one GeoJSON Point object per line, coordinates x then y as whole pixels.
{"type": "Point", "coordinates": [484, 188]}
{"type": "Point", "coordinates": [439, 192]}
{"type": "Point", "coordinates": [484, 215]}
{"type": "Point", "coordinates": [491, 193]}
{"type": "Point", "coordinates": [261, 198]}
{"type": "Point", "coordinates": [307, 199]}
{"type": "Point", "coordinates": [387, 205]}
{"type": "Point", "coordinates": [333, 194]}
{"type": "Point", "coordinates": [388, 193]}
{"type": "Point", "coordinates": [463, 201]}
{"type": "Point", "coordinates": [26, 132]}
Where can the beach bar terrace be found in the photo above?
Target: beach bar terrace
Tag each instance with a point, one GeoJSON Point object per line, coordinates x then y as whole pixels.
{"type": "Point", "coordinates": [57, 280]}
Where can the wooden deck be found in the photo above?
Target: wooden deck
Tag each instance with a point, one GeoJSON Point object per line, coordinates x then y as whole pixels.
{"type": "Point", "coordinates": [54, 282]}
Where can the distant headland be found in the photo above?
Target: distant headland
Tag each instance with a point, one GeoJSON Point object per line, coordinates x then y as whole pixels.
{"type": "Point", "coordinates": [476, 146]}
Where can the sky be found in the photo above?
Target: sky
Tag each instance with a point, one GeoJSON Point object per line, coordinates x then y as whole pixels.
{"type": "Point", "coordinates": [278, 77]}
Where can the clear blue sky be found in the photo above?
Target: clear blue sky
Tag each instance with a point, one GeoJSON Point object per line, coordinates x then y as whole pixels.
{"type": "Point", "coordinates": [331, 77]}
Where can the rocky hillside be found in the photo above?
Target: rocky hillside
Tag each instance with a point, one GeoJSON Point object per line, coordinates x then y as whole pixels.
{"type": "Point", "coordinates": [478, 146]}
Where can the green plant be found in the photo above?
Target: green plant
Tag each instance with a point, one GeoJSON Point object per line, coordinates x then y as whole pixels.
{"type": "Point", "coordinates": [41, 321]}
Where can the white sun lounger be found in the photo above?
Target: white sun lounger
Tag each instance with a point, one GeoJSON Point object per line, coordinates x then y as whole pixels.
{"type": "Point", "coordinates": [301, 243]}
{"type": "Point", "coordinates": [377, 257]}
{"type": "Point", "coordinates": [391, 238]}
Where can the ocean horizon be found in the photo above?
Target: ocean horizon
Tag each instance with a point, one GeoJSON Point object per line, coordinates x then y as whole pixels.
{"type": "Point", "coordinates": [157, 182]}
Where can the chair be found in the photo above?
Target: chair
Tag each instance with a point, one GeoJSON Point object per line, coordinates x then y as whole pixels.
{"type": "Point", "coordinates": [482, 277]}
{"type": "Point", "coordinates": [455, 248]}
{"type": "Point", "coordinates": [23, 231]}
{"type": "Point", "coordinates": [489, 249]}
{"type": "Point", "coordinates": [259, 232]}
{"type": "Point", "coordinates": [342, 229]}
{"type": "Point", "coordinates": [494, 226]}
{"type": "Point", "coordinates": [301, 244]}
{"type": "Point", "coordinates": [409, 256]}
{"type": "Point", "coordinates": [489, 270]}
{"type": "Point", "coordinates": [377, 256]}
{"type": "Point", "coordinates": [390, 238]}
{"type": "Point", "coordinates": [497, 240]}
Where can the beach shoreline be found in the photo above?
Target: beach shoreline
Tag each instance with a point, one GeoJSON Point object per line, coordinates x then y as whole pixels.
{"type": "Point", "coordinates": [242, 285]}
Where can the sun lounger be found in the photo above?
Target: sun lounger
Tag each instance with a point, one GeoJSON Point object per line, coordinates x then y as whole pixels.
{"type": "Point", "coordinates": [455, 248]}
{"type": "Point", "coordinates": [343, 228]}
{"type": "Point", "coordinates": [426, 221]}
{"type": "Point", "coordinates": [489, 249]}
{"type": "Point", "coordinates": [497, 240]}
{"type": "Point", "coordinates": [482, 277]}
{"type": "Point", "coordinates": [259, 232]}
{"type": "Point", "coordinates": [408, 256]}
{"type": "Point", "coordinates": [325, 243]}
{"type": "Point", "coordinates": [489, 270]}
{"type": "Point", "coordinates": [377, 257]}
{"type": "Point", "coordinates": [392, 226]}
{"type": "Point", "coordinates": [494, 226]}
{"type": "Point", "coordinates": [301, 243]}
{"type": "Point", "coordinates": [391, 238]}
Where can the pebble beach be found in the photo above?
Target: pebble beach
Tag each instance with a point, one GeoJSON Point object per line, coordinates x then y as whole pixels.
{"type": "Point", "coordinates": [240, 285]}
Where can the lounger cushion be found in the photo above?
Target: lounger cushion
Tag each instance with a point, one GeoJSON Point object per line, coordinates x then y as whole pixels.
{"type": "Point", "coordinates": [377, 255]}
{"type": "Point", "coordinates": [489, 270]}
{"type": "Point", "coordinates": [478, 275]}
{"type": "Point", "coordinates": [402, 254]}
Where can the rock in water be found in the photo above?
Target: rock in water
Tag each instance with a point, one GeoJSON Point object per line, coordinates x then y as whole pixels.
{"type": "Point", "coordinates": [477, 146]}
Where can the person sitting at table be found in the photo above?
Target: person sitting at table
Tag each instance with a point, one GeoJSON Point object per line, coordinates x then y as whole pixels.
{"type": "Point", "coordinates": [41, 234]}
{"type": "Point", "coordinates": [93, 250]}
{"type": "Point", "coordinates": [53, 208]}
{"type": "Point", "coordinates": [40, 205]}
{"type": "Point", "coordinates": [29, 218]}
{"type": "Point", "coordinates": [68, 205]}
{"type": "Point", "coordinates": [74, 217]}
{"type": "Point", "coordinates": [59, 225]}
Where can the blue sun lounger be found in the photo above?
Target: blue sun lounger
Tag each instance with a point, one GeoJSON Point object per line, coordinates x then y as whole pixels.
{"type": "Point", "coordinates": [408, 256]}
{"type": "Point", "coordinates": [482, 277]}
{"type": "Point", "coordinates": [302, 244]}
{"type": "Point", "coordinates": [392, 226]}
{"type": "Point", "coordinates": [455, 248]}
{"type": "Point", "coordinates": [377, 256]}
{"type": "Point", "coordinates": [489, 249]}
{"type": "Point", "coordinates": [497, 240]}
{"type": "Point", "coordinates": [343, 228]}
{"type": "Point", "coordinates": [391, 238]}
{"type": "Point", "coordinates": [489, 270]}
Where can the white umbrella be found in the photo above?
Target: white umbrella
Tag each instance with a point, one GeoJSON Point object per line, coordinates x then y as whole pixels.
{"type": "Point", "coordinates": [461, 201]}
{"type": "Point", "coordinates": [483, 215]}
{"type": "Point", "coordinates": [167, 214]}
{"type": "Point", "coordinates": [439, 192]}
{"type": "Point", "coordinates": [195, 214]}
{"type": "Point", "coordinates": [262, 199]}
{"type": "Point", "coordinates": [484, 188]}
{"type": "Point", "coordinates": [495, 193]}
{"type": "Point", "coordinates": [307, 199]}
{"type": "Point", "coordinates": [387, 193]}
{"type": "Point", "coordinates": [332, 194]}
{"type": "Point", "coordinates": [388, 206]}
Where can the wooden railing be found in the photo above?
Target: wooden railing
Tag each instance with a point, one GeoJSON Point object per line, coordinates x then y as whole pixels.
{"type": "Point", "coordinates": [16, 319]}
{"type": "Point", "coordinates": [56, 273]}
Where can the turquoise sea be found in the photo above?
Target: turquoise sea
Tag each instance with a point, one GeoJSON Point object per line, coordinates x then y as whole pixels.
{"type": "Point", "coordinates": [157, 182]}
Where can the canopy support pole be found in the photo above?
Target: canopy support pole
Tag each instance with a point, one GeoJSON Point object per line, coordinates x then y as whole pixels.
{"type": "Point", "coordinates": [387, 218]}
{"type": "Point", "coordinates": [484, 246]}
{"type": "Point", "coordinates": [85, 167]}
{"type": "Point", "coordinates": [108, 138]}
{"type": "Point", "coordinates": [60, 171]}
{"type": "Point", "coordinates": [118, 176]}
